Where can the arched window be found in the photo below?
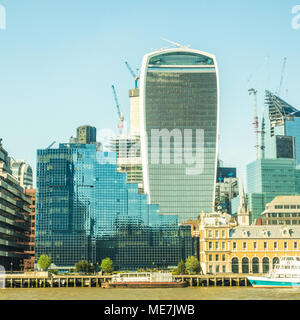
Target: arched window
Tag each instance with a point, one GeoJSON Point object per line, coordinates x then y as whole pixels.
{"type": "Point", "coordinates": [235, 265]}
{"type": "Point", "coordinates": [245, 265]}
{"type": "Point", "coordinates": [255, 265]}
{"type": "Point", "coordinates": [266, 264]}
{"type": "Point", "coordinates": [275, 261]}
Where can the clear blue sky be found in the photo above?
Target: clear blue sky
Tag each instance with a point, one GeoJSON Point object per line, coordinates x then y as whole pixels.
{"type": "Point", "coordinates": [59, 58]}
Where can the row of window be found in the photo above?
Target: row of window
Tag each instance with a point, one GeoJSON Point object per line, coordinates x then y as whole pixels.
{"type": "Point", "coordinates": [265, 245]}
{"type": "Point", "coordinates": [280, 215]}
{"type": "Point", "coordinates": [286, 206]}
{"type": "Point", "coordinates": [210, 233]}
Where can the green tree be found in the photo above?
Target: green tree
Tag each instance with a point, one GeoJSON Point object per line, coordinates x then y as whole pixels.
{"type": "Point", "coordinates": [192, 265]}
{"type": "Point", "coordinates": [84, 266]}
{"type": "Point", "coordinates": [181, 267]}
{"type": "Point", "coordinates": [44, 262]}
{"type": "Point", "coordinates": [107, 265]}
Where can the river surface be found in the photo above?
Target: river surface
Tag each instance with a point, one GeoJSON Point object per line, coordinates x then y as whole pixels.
{"type": "Point", "coordinates": [211, 293]}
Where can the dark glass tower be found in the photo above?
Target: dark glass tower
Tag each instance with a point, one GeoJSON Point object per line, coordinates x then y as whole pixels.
{"type": "Point", "coordinates": [86, 210]}
{"type": "Point", "coordinates": [179, 95]}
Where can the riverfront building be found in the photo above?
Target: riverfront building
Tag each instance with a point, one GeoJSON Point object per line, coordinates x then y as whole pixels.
{"type": "Point", "coordinates": [179, 102]}
{"type": "Point", "coordinates": [87, 210]}
{"type": "Point", "coordinates": [29, 261]}
{"type": "Point", "coordinates": [14, 219]}
{"type": "Point", "coordinates": [284, 210]}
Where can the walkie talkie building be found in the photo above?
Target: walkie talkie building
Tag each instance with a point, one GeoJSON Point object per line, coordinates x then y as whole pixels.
{"type": "Point", "coordinates": [179, 115]}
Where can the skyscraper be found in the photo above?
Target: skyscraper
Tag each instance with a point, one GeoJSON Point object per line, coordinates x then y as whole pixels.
{"type": "Point", "coordinates": [87, 210]}
{"type": "Point", "coordinates": [179, 98]}
{"type": "Point", "coordinates": [22, 172]}
{"type": "Point", "coordinates": [281, 129]}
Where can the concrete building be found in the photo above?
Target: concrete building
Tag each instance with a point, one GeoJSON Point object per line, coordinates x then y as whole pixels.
{"type": "Point", "coordinates": [86, 135]}
{"type": "Point", "coordinates": [129, 161]}
{"type": "Point", "coordinates": [283, 210]}
{"type": "Point", "coordinates": [179, 100]}
{"type": "Point", "coordinates": [14, 220]}
{"type": "Point", "coordinates": [30, 251]}
{"type": "Point", "coordinates": [22, 171]}
{"type": "Point", "coordinates": [134, 96]}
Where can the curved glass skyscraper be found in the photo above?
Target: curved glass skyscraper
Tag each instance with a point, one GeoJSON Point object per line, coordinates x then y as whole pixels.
{"type": "Point", "coordinates": [179, 115]}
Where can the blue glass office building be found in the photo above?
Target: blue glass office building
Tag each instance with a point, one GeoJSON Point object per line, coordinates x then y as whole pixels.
{"type": "Point", "coordinates": [281, 138]}
{"type": "Point", "coordinates": [86, 210]}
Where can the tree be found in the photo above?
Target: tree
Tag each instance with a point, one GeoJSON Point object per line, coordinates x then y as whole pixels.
{"type": "Point", "coordinates": [107, 265]}
{"type": "Point", "coordinates": [181, 267]}
{"type": "Point", "coordinates": [84, 266]}
{"type": "Point", "coordinates": [192, 265]}
{"type": "Point", "coordinates": [44, 262]}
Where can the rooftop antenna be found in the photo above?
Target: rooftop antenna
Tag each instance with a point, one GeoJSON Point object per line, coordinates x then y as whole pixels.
{"type": "Point", "coordinates": [176, 44]}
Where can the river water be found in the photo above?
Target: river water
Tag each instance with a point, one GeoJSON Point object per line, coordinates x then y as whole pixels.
{"type": "Point", "coordinates": [202, 293]}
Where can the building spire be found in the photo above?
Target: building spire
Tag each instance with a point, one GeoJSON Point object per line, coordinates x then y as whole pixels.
{"type": "Point", "coordinates": [243, 215]}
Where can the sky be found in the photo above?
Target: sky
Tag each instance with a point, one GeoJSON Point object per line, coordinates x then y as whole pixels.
{"type": "Point", "coordinates": [59, 59]}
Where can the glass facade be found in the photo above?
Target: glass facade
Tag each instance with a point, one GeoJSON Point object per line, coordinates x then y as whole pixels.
{"type": "Point", "coordinates": [86, 210]}
{"type": "Point", "coordinates": [281, 138]}
{"type": "Point", "coordinates": [268, 178]}
{"type": "Point", "coordinates": [179, 91]}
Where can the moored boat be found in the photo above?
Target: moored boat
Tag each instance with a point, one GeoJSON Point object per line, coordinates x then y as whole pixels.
{"type": "Point", "coordinates": [285, 274]}
{"type": "Point", "coordinates": [144, 280]}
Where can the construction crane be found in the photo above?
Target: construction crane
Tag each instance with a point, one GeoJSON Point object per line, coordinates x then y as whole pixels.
{"type": "Point", "coordinates": [121, 115]}
{"type": "Point", "coordinates": [51, 144]}
{"type": "Point", "coordinates": [281, 77]}
{"type": "Point", "coordinates": [255, 123]}
{"type": "Point", "coordinates": [136, 77]}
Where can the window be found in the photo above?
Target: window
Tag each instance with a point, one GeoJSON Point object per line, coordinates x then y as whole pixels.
{"type": "Point", "coordinates": [275, 246]}
{"type": "Point", "coordinates": [223, 257]}
{"type": "Point", "coordinates": [265, 245]}
{"type": "Point", "coordinates": [223, 269]}
{"type": "Point", "coordinates": [223, 245]}
{"type": "Point", "coordinates": [285, 245]}
{"type": "Point", "coordinates": [217, 257]}
{"type": "Point", "coordinates": [210, 269]}
{"type": "Point", "coordinates": [210, 257]}
{"type": "Point", "coordinates": [223, 234]}
{"type": "Point", "coordinates": [254, 245]}
{"type": "Point", "coordinates": [210, 245]}
{"type": "Point", "coordinates": [244, 245]}
{"type": "Point", "coordinates": [209, 233]}
{"type": "Point", "coordinates": [217, 245]}
{"type": "Point", "coordinates": [217, 233]}
{"type": "Point", "coordinates": [234, 245]}
{"type": "Point", "coordinates": [295, 245]}
{"type": "Point", "coordinates": [217, 269]}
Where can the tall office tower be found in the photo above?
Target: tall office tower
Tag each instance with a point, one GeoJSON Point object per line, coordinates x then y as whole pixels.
{"type": "Point", "coordinates": [281, 138]}
{"type": "Point", "coordinates": [87, 210]}
{"type": "Point", "coordinates": [179, 99]}
{"type": "Point", "coordinates": [129, 161]}
{"type": "Point", "coordinates": [86, 135]}
{"type": "Point", "coordinates": [14, 225]}
{"type": "Point", "coordinates": [22, 172]}
{"type": "Point", "coordinates": [227, 187]}
{"type": "Point", "coordinates": [268, 178]}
